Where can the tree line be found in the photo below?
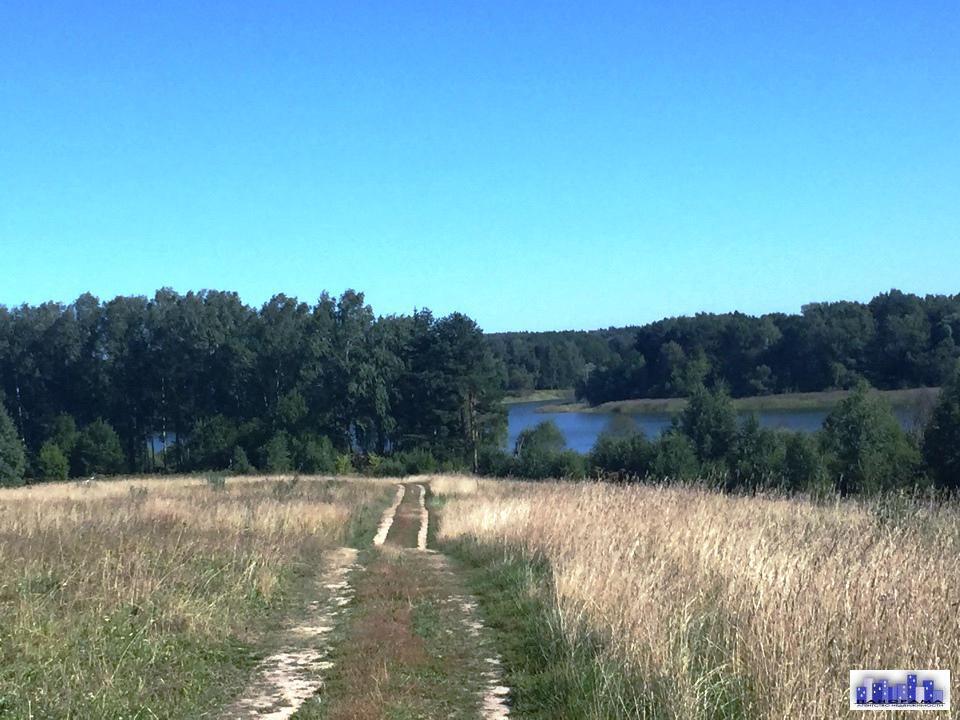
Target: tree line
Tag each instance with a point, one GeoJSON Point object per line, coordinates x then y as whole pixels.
{"type": "Point", "coordinates": [203, 381]}
{"type": "Point", "coordinates": [861, 449]}
{"type": "Point", "coordinates": [897, 340]}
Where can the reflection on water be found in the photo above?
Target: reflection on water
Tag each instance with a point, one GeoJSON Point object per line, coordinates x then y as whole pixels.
{"type": "Point", "coordinates": [581, 430]}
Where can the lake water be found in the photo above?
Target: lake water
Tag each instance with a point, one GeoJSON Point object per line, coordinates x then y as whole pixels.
{"type": "Point", "coordinates": [581, 429]}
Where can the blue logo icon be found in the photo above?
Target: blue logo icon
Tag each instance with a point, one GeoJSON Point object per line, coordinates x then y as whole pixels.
{"type": "Point", "coordinates": [900, 689]}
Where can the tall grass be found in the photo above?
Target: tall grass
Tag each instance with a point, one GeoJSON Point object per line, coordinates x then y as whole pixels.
{"type": "Point", "coordinates": [726, 606]}
{"type": "Point", "coordinates": [146, 598]}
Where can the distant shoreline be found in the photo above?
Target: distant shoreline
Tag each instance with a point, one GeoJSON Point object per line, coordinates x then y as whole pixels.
{"type": "Point", "coordinates": [562, 395]}
{"type": "Point", "coordinates": [825, 400]}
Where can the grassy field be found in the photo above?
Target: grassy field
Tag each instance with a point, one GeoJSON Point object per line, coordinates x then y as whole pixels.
{"type": "Point", "coordinates": [683, 603]}
{"type": "Point", "coordinates": [148, 598]}
{"type": "Point", "coordinates": [916, 397]}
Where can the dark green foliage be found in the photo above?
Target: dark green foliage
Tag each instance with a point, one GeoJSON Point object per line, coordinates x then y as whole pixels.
{"type": "Point", "coordinates": [674, 457]}
{"type": "Point", "coordinates": [803, 468]}
{"type": "Point", "coordinates": [544, 437]}
{"type": "Point", "coordinates": [757, 457]}
{"type": "Point", "coordinates": [239, 463]}
{"type": "Point", "coordinates": [630, 455]}
{"type": "Point", "coordinates": [866, 449]}
{"type": "Point", "coordinates": [64, 434]}
{"type": "Point", "coordinates": [98, 450]}
{"type": "Point", "coordinates": [275, 455]}
{"type": "Point", "coordinates": [896, 340]}
{"type": "Point", "coordinates": [183, 379]}
{"type": "Point", "coordinates": [12, 457]}
{"type": "Point", "coordinates": [941, 438]}
{"type": "Point", "coordinates": [210, 445]}
{"type": "Point", "coordinates": [52, 464]}
{"type": "Point", "coordinates": [710, 422]}
{"type": "Point", "coordinates": [314, 454]}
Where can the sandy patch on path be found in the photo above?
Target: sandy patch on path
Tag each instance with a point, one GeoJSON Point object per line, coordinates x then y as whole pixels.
{"type": "Point", "coordinates": [424, 519]}
{"type": "Point", "coordinates": [387, 520]}
{"type": "Point", "coordinates": [288, 678]}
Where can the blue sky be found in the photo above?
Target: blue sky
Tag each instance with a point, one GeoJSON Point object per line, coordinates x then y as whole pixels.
{"type": "Point", "coordinates": [535, 165]}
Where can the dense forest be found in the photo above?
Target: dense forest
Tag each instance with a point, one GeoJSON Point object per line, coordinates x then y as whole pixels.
{"type": "Point", "coordinates": [896, 340]}
{"type": "Point", "coordinates": [202, 381]}
{"type": "Point", "coordinates": [182, 382]}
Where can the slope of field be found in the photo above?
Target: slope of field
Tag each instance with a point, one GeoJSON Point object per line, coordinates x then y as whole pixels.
{"type": "Point", "coordinates": [156, 598]}
{"type": "Point", "coordinates": [691, 604]}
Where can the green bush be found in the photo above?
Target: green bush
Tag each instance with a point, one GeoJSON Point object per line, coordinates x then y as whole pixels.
{"type": "Point", "coordinates": [342, 464]}
{"type": "Point", "coordinates": [756, 458]}
{"type": "Point", "coordinates": [315, 454]}
{"type": "Point", "coordinates": [276, 454]}
{"type": "Point", "coordinates": [803, 468]}
{"type": "Point", "coordinates": [867, 450]}
{"type": "Point", "coordinates": [98, 450]}
{"type": "Point", "coordinates": [239, 463]}
{"type": "Point", "coordinates": [418, 462]}
{"type": "Point", "coordinates": [210, 445]}
{"type": "Point", "coordinates": [626, 455]}
{"type": "Point", "coordinates": [941, 437]}
{"type": "Point", "coordinates": [674, 457]}
{"type": "Point", "coordinates": [52, 463]}
{"type": "Point", "coordinates": [710, 422]}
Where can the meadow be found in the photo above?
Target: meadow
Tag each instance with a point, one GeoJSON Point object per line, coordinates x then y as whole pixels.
{"type": "Point", "coordinates": [679, 602]}
{"type": "Point", "coordinates": [145, 598]}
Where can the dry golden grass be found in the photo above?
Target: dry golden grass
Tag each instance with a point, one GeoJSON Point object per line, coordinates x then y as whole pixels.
{"type": "Point", "coordinates": [731, 606]}
{"type": "Point", "coordinates": [121, 598]}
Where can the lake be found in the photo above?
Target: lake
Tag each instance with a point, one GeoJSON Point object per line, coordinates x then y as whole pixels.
{"type": "Point", "coordinates": [581, 429]}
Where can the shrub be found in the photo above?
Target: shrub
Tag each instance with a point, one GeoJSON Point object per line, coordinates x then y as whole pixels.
{"type": "Point", "coordinates": [276, 454]}
{"type": "Point", "coordinates": [315, 455]}
{"type": "Point", "coordinates": [941, 438]}
{"type": "Point", "coordinates": [710, 422]}
{"type": "Point", "coordinates": [98, 450]}
{"type": "Point", "coordinates": [342, 464]}
{"type": "Point", "coordinates": [496, 463]}
{"type": "Point", "coordinates": [52, 463]}
{"type": "Point", "coordinates": [239, 463]}
{"type": "Point", "coordinates": [12, 456]}
{"type": "Point", "coordinates": [210, 444]}
{"type": "Point", "coordinates": [217, 481]}
{"type": "Point", "coordinates": [802, 465]}
{"type": "Point", "coordinates": [866, 448]}
{"type": "Point", "coordinates": [756, 459]}
{"type": "Point", "coordinates": [674, 457]}
{"type": "Point", "coordinates": [568, 465]}
{"type": "Point", "coordinates": [64, 434]}
{"type": "Point", "coordinates": [418, 462]}
{"type": "Point", "coordinates": [630, 455]}
{"type": "Point", "coordinates": [544, 437]}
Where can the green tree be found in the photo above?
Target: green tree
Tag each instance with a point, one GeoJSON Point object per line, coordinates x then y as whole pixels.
{"type": "Point", "coordinates": [276, 454]}
{"type": "Point", "coordinates": [211, 443]}
{"type": "Point", "coordinates": [941, 438]}
{"type": "Point", "coordinates": [867, 450]}
{"type": "Point", "coordinates": [756, 459]}
{"type": "Point", "coordinates": [64, 434]}
{"type": "Point", "coordinates": [239, 463]}
{"type": "Point", "coordinates": [52, 463]}
{"type": "Point", "coordinates": [544, 437]}
{"type": "Point", "coordinates": [315, 455]}
{"type": "Point", "coordinates": [674, 457]}
{"type": "Point", "coordinates": [710, 422]}
{"type": "Point", "coordinates": [12, 456]}
{"type": "Point", "coordinates": [803, 469]}
{"type": "Point", "coordinates": [98, 450]}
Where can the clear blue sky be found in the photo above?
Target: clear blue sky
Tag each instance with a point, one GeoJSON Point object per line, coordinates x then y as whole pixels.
{"type": "Point", "coordinates": [535, 165]}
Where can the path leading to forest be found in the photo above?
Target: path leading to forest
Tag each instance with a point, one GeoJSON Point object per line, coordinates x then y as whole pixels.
{"type": "Point", "coordinates": [394, 634]}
